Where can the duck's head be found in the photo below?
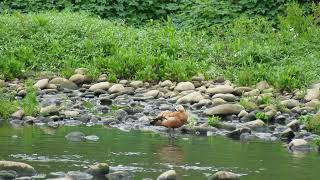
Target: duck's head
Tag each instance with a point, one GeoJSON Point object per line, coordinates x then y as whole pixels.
{"type": "Point", "coordinates": [180, 108]}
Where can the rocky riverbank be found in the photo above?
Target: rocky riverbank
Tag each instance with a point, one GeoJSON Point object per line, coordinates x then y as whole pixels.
{"type": "Point", "coordinates": [215, 107]}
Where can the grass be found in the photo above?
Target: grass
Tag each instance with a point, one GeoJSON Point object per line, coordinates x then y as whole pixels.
{"type": "Point", "coordinates": [214, 121]}
{"type": "Point", "coordinates": [30, 103]}
{"type": "Point", "coordinates": [8, 104]}
{"type": "Point", "coordinates": [247, 104]}
{"type": "Point", "coordinates": [244, 51]}
{"type": "Point", "coordinates": [262, 116]}
{"type": "Point", "coordinates": [311, 122]}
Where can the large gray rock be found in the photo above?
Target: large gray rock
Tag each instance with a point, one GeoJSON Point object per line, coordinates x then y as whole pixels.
{"type": "Point", "coordinates": [166, 83]}
{"type": "Point", "coordinates": [290, 103]}
{"type": "Point", "coordinates": [226, 97]}
{"type": "Point", "coordinates": [101, 86]}
{"type": "Point", "coordinates": [299, 145]}
{"type": "Point", "coordinates": [224, 175]}
{"type": "Point", "coordinates": [63, 83]}
{"type": "Point", "coordinates": [287, 134]}
{"type": "Point", "coordinates": [80, 79]}
{"type": "Point", "coordinates": [191, 98]}
{"type": "Point", "coordinates": [116, 88]}
{"type": "Point", "coordinates": [136, 84]}
{"type": "Point", "coordinates": [220, 89]}
{"type": "Point", "coordinates": [41, 84]}
{"type": "Point", "coordinates": [184, 86]}
{"type": "Point", "coordinates": [312, 94]}
{"type": "Point", "coordinates": [168, 175]}
{"type": "Point", "coordinates": [50, 110]}
{"type": "Point", "coordinates": [255, 125]}
{"type": "Point", "coordinates": [224, 109]}
{"type": "Point", "coordinates": [119, 175]}
{"type": "Point", "coordinates": [152, 93]}
{"type": "Point", "coordinates": [22, 169]}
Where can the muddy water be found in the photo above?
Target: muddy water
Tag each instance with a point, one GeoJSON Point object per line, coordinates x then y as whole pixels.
{"type": "Point", "coordinates": [146, 154]}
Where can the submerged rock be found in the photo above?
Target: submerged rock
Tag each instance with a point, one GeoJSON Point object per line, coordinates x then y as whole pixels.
{"type": "Point", "coordinates": [299, 145]}
{"type": "Point", "coordinates": [168, 175]}
{"type": "Point", "coordinates": [100, 169]}
{"type": "Point", "coordinates": [75, 136]}
{"type": "Point", "coordinates": [79, 175]}
{"type": "Point", "coordinates": [8, 174]}
{"type": "Point", "coordinates": [119, 175]}
{"type": "Point", "coordinates": [22, 169]}
{"type": "Point", "coordinates": [224, 175]}
{"type": "Point", "coordinates": [92, 138]}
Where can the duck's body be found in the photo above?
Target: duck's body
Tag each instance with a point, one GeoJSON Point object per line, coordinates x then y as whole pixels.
{"type": "Point", "coordinates": [171, 119]}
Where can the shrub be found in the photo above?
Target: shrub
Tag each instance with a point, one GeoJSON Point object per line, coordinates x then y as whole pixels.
{"type": "Point", "coordinates": [29, 103]}
{"type": "Point", "coordinates": [8, 104]}
{"type": "Point", "coordinates": [214, 121]}
{"type": "Point", "coordinates": [262, 116]}
{"type": "Point", "coordinates": [312, 122]}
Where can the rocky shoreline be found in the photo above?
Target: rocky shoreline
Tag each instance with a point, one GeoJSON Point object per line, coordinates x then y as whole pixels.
{"type": "Point", "coordinates": [244, 113]}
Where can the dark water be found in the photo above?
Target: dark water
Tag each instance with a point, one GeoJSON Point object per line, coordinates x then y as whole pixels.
{"type": "Point", "coordinates": [148, 154]}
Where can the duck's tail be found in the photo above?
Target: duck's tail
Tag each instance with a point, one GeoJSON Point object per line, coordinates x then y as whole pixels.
{"type": "Point", "coordinates": [156, 121]}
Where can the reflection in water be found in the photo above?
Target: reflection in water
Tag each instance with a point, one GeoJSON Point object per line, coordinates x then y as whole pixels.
{"type": "Point", "coordinates": [48, 130]}
{"type": "Point", "coordinates": [170, 153]}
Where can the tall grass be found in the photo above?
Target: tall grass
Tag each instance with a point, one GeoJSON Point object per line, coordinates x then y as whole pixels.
{"type": "Point", "coordinates": [246, 50]}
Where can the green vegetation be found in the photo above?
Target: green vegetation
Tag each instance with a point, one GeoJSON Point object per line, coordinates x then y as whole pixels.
{"type": "Point", "coordinates": [247, 104]}
{"type": "Point", "coordinates": [8, 104]}
{"type": "Point", "coordinates": [30, 104]}
{"type": "Point", "coordinates": [244, 50]}
{"type": "Point", "coordinates": [214, 121]}
{"type": "Point", "coordinates": [312, 122]}
{"type": "Point", "coordinates": [317, 141]}
{"type": "Point", "coordinates": [262, 116]}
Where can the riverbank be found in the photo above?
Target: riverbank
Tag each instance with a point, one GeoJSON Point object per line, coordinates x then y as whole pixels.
{"type": "Point", "coordinates": [215, 107]}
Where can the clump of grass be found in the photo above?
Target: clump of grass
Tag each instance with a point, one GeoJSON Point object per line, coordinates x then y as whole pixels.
{"type": "Point", "coordinates": [214, 121]}
{"type": "Point", "coordinates": [30, 103]}
{"type": "Point", "coordinates": [247, 104]}
{"type": "Point", "coordinates": [311, 122]}
{"type": "Point", "coordinates": [262, 116]}
{"type": "Point", "coordinates": [8, 104]}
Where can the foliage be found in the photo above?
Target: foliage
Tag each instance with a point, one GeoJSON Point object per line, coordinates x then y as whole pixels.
{"type": "Point", "coordinates": [317, 141]}
{"type": "Point", "coordinates": [262, 116]}
{"type": "Point", "coordinates": [247, 104]}
{"type": "Point", "coordinates": [8, 104]}
{"type": "Point", "coordinates": [133, 11]}
{"type": "Point", "coordinates": [214, 121]}
{"type": "Point", "coordinates": [245, 51]}
{"type": "Point", "coordinates": [312, 122]}
{"type": "Point", "coordinates": [30, 103]}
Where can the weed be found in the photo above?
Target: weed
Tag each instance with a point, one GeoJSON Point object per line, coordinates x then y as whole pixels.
{"type": "Point", "coordinates": [312, 122]}
{"type": "Point", "coordinates": [214, 121]}
{"type": "Point", "coordinates": [247, 104]}
{"type": "Point", "coordinates": [8, 104]}
{"type": "Point", "coordinates": [29, 103]}
{"type": "Point", "coordinates": [262, 116]}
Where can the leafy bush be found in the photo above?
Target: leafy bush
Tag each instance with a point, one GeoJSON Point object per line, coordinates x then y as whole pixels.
{"type": "Point", "coordinates": [133, 11]}
{"type": "Point", "coordinates": [8, 104]}
{"type": "Point", "coordinates": [312, 122]}
{"type": "Point", "coordinates": [29, 103]}
{"type": "Point", "coordinates": [214, 121]}
{"type": "Point", "coordinates": [262, 116]}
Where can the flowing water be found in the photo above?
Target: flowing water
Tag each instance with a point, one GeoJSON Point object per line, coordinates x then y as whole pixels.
{"type": "Point", "coordinates": [146, 154]}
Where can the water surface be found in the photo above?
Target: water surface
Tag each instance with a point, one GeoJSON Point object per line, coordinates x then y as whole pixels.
{"type": "Point", "coordinates": [148, 154]}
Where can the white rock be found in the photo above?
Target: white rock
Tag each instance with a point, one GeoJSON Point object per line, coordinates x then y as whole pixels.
{"type": "Point", "coordinates": [184, 86]}
{"type": "Point", "coordinates": [101, 85]}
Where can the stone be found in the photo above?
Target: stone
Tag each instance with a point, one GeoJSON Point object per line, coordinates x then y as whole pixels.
{"type": "Point", "coordinates": [287, 134]}
{"type": "Point", "coordinates": [75, 136]}
{"type": "Point", "coordinates": [235, 134]}
{"type": "Point", "coordinates": [22, 169]}
{"type": "Point", "coordinates": [49, 110]}
{"type": "Point", "coordinates": [249, 117]}
{"type": "Point", "coordinates": [119, 175]}
{"type": "Point", "coordinates": [242, 113]}
{"type": "Point", "coordinates": [8, 174]}
{"type": "Point", "coordinates": [294, 125]}
{"type": "Point", "coordinates": [168, 175]}
{"type": "Point", "coordinates": [166, 83]}
{"type": "Point", "coordinates": [77, 175]}
{"type": "Point", "coordinates": [18, 114]}
{"type": "Point", "coordinates": [105, 101]}
{"type": "Point", "coordinates": [92, 138]}
{"type": "Point", "coordinates": [254, 92]}
{"type": "Point", "coordinates": [152, 93]}
{"type": "Point", "coordinates": [220, 89]}
{"type": "Point", "coordinates": [70, 114]}
{"type": "Point", "coordinates": [290, 103]}
{"type": "Point", "coordinates": [218, 101]}
{"type": "Point", "coordinates": [299, 145]}
{"type": "Point", "coordinates": [199, 78]}
{"type": "Point", "coordinates": [254, 125]}
{"type": "Point", "coordinates": [116, 88]}
{"type": "Point", "coordinates": [312, 94]}
{"type": "Point", "coordinates": [224, 109]}
{"type": "Point", "coordinates": [224, 175]}
{"type": "Point", "coordinates": [82, 71]}
{"type": "Point", "coordinates": [63, 83]}
{"type": "Point", "coordinates": [80, 79]}
{"type": "Point", "coordinates": [136, 84]}
{"type": "Point", "coordinates": [41, 84]}
{"type": "Point", "coordinates": [51, 86]}
{"type": "Point", "coordinates": [314, 103]}
{"type": "Point", "coordinates": [184, 86]}
{"type": "Point", "coordinates": [262, 85]}
{"type": "Point", "coordinates": [190, 98]}
{"type": "Point", "coordinates": [100, 85]}
{"type": "Point", "coordinates": [100, 169]}
{"type": "Point", "coordinates": [226, 97]}
{"type": "Point", "coordinates": [123, 82]}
